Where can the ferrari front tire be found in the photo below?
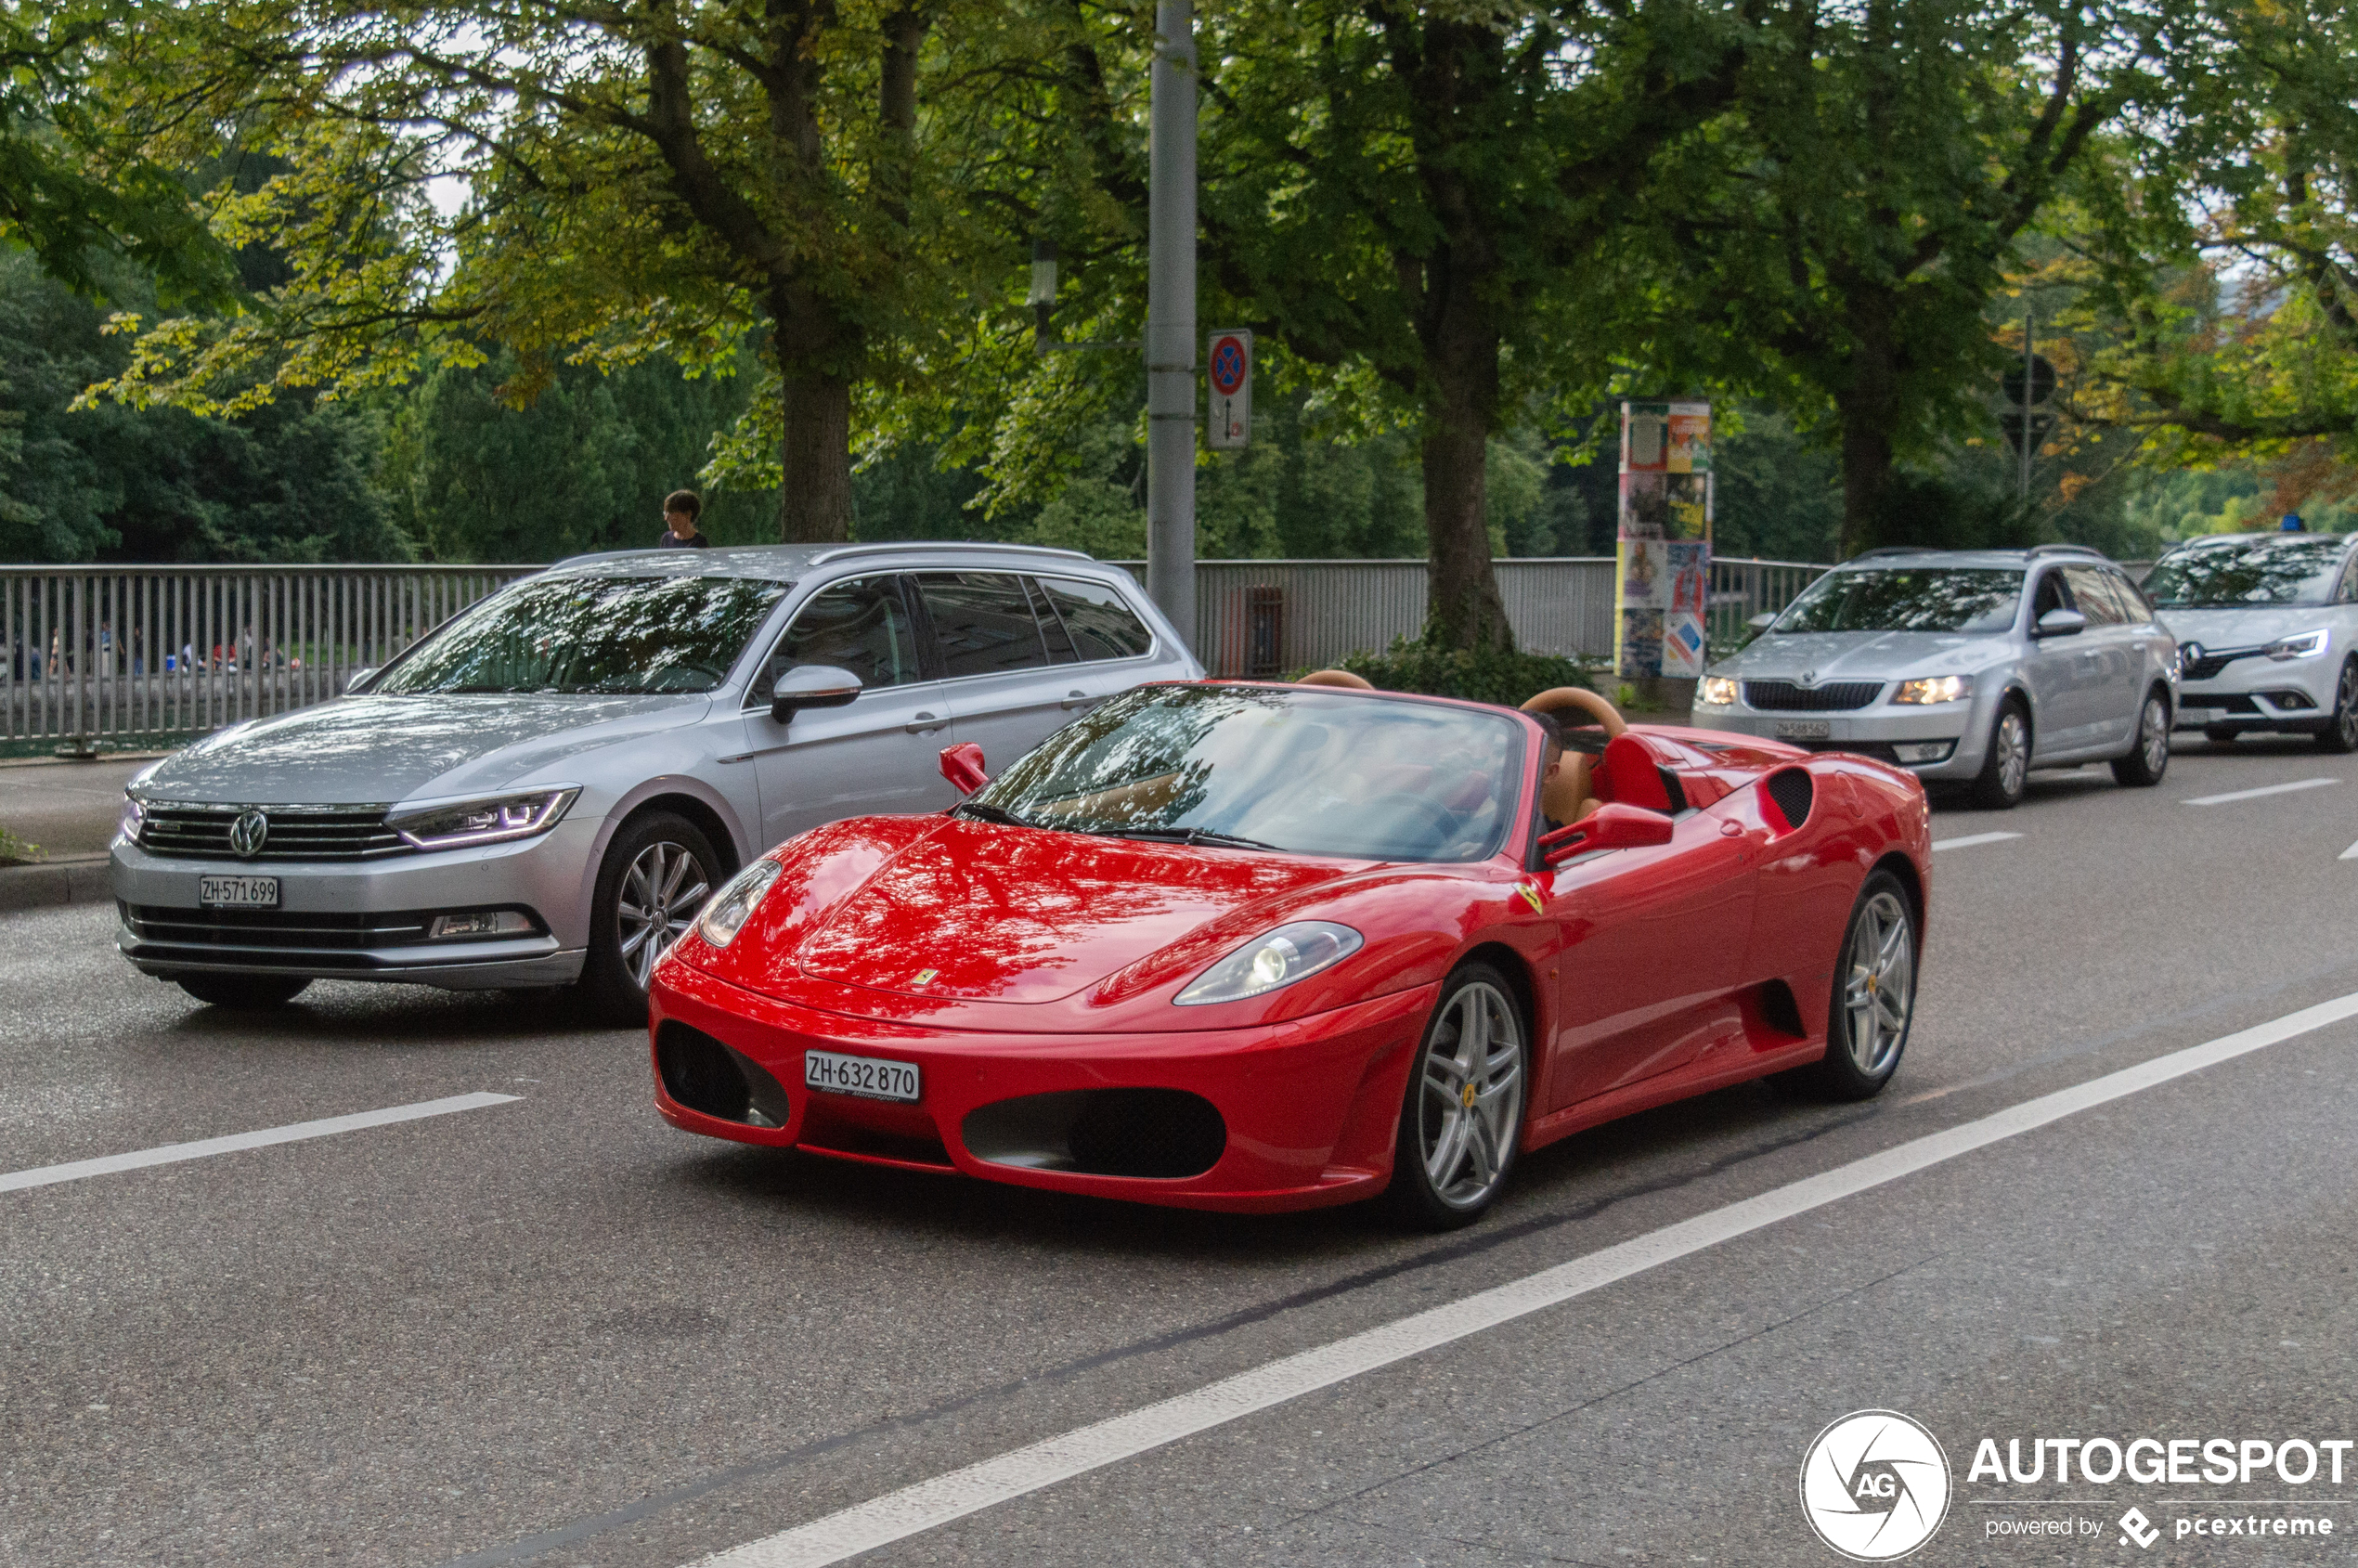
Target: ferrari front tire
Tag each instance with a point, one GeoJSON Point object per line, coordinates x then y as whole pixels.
{"type": "Point", "coordinates": [1875, 997]}
{"type": "Point", "coordinates": [1461, 1121]}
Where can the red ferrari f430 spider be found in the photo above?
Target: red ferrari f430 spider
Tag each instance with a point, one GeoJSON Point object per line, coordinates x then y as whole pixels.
{"type": "Point", "coordinates": [1245, 946]}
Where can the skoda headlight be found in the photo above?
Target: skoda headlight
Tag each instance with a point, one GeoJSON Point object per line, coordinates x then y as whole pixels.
{"type": "Point", "coordinates": [1938, 689]}
{"type": "Point", "coordinates": [491, 821]}
{"type": "Point", "coordinates": [2307, 645]}
{"type": "Point", "coordinates": [1286, 954]}
{"type": "Point", "coordinates": [1719, 690]}
{"type": "Point", "coordinates": [733, 905]}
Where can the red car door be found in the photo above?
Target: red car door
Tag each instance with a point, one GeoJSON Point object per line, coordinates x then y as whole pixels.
{"type": "Point", "coordinates": [1652, 943]}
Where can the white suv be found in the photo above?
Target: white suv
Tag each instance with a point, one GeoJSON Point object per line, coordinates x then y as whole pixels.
{"type": "Point", "coordinates": [2267, 629]}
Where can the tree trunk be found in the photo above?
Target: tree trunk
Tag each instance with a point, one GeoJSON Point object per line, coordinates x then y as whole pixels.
{"type": "Point", "coordinates": [1865, 406]}
{"type": "Point", "coordinates": [1461, 406]}
{"type": "Point", "coordinates": [814, 460]}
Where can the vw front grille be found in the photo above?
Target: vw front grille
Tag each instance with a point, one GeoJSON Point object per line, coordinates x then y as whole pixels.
{"type": "Point", "coordinates": [297, 833]}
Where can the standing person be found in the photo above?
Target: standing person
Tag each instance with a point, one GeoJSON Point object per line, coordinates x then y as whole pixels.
{"type": "Point", "coordinates": [681, 510]}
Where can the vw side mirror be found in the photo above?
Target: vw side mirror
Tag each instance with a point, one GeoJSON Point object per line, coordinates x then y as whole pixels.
{"type": "Point", "coordinates": [1763, 621]}
{"type": "Point", "coordinates": [962, 765]}
{"type": "Point", "coordinates": [811, 685]}
{"type": "Point", "coordinates": [2062, 623]}
{"type": "Point", "coordinates": [358, 679]}
{"type": "Point", "coordinates": [1609, 826]}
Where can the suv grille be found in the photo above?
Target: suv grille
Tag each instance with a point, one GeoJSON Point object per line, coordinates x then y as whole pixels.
{"type": "Point", "coordinates": [1783, 697]}
{"type": "Point", "coordinates": [297, 833]}
{"type": "Point", "coordinates": [2207, 667]}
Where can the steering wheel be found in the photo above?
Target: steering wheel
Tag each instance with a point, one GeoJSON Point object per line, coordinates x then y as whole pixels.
{"type": "Point", "coordinates": [1567, 798]}
{"type": "Point", "coordinates": [1557, 698]}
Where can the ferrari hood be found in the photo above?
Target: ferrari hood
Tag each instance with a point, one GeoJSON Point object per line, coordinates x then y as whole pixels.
{"type": "Point", "coordinates": [980, 913]}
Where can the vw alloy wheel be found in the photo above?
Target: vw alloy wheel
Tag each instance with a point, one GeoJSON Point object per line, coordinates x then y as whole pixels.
{"type": "Point", "coordinates": [661, 893]}
{"type": "Point", "coordinates": [2014, 752]}
{"type": "Point", "coordinates": [1471, 1100]}
{"type": "Point", "coordinates": [1879, 988]}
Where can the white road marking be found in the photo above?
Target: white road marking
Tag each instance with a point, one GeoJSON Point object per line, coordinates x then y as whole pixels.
{"type": "Point", "coordinates": [927, 1503]}
{"type": "Point", "coordinates": [2256, 793]}
{"type": "Point", "coordinates": [1970, 839]}
{"type": "Point", "coordinates": [169, 1154]}
{"type": "Point", "coordinates": [2350, 853]}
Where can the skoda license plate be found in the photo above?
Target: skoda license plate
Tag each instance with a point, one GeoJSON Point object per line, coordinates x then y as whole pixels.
{"type": "Point", "coordinates": [1804, 729]}
{"type": "Point", "coordinates": [238, 892]}
{"type": "Point", "coordinates": [869, 1076]}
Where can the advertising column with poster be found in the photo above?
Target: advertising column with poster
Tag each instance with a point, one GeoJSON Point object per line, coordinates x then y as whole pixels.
{"type": "Point", "coordinates": [1663, 576]}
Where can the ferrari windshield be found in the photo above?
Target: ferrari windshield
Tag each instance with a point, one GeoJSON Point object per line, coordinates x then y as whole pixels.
{"type": "Point", "coordinates": [2294, 569]}
{"type": "Point", "coordinates": [576, 635]}
{"type": "Point", "coordinates": [1907, 599]}
{"type": "Point", "coordinates": [1314, 772]}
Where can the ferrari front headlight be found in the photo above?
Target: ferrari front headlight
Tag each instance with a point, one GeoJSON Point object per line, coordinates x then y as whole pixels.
{"type": "Point", "coordinates": [1288, 953]}
{"type": "Point", "coordinates": [726, 914]}
{"type": "Point", "coordinates": [492, 820]}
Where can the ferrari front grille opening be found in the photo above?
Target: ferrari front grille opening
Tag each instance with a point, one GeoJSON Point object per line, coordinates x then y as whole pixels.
{"type": "Point", "coordinates": [1161, 1133]}
{"type": "Point", "coordinates": [705, 1075]}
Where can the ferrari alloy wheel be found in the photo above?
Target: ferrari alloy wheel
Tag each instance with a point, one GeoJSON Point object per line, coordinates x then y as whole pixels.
{"type": "Point", "coordinates": [2006, 765]}
{"type": "Point", "coordinates": [656, 875]}
{"type": "Point", "coordinates": [2340, 734]}
{"type": "Point", "coordinates": [2149, 758]}
{"type": "Point", "coordinates": [1874, 996]}
{"type": "Point", "coordinates": [1462, 1121]}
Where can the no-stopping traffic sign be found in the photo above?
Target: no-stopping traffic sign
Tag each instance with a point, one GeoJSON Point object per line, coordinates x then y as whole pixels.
{"type": "Point", "coordinates": [1229, 369]}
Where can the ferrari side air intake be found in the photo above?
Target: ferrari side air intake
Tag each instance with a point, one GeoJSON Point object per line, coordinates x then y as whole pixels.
{"type": "Point", "coordinates": [1156, 1132]}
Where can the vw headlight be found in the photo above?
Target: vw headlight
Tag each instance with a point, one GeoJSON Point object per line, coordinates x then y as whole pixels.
{"type": "Point", "coordinates": [1719, 690]}
{"type": "Point", "coordinates": [1938, 689]}
{"type": "Point", "coordinates": [492, 820]}
{"type": "Point", "coordinates": [135, 817]}
{"type": "Point", "coordinates": [733, 905]}
{"type": "Point", "coordinates": [2307, 645]}
{"type": "Point", "coordinates": [1288, 953]}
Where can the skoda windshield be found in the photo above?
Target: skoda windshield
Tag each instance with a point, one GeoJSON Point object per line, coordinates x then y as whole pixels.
{"type": "Point", "coordinates": [2230, 574]}
{"type": "Point", "coordinates": [1250, 767]}
{"type": "Point", "coordinates": [1959, 598]}
{"type": "Point", "coordinates": [583, 635]}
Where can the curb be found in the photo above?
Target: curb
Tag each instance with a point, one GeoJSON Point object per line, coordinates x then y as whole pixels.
{"type": "Point", "coordinates": [55, 883]}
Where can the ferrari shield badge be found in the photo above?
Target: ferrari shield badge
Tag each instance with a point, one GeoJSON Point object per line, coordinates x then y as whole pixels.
{"type": "Point", "coordinates": [1529, 893]}
{"type": "Point", "coordinates": [925, 977]}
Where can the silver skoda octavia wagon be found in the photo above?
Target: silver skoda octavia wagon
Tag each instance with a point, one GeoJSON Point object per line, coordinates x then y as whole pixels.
{"type": "Point", "coordinates": [546, 788]}
{"type": "Point", "coordinates": [1965, 667]}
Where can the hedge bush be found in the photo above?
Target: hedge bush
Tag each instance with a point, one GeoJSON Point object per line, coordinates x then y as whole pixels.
{"type": "Point", "coordinates": [1488, 676]}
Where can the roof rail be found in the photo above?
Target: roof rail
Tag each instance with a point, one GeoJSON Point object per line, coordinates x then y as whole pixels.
{"type": "Point", "coordinates": [2039, 550]}
{"type": "Point", "coordinates": [885, 545]}
{"type": "Point", "coordinates": [1896, 549]}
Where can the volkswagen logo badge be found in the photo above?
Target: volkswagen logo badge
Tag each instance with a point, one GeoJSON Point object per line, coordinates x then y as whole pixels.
{"type": "Point", "coordinates": [249, 833]}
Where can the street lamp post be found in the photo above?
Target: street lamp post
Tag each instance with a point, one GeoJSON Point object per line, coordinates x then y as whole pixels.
{"type": "Point", "coordinates": [1171, 319]}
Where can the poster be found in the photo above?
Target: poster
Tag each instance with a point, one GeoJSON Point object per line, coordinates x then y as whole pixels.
{"type": "Point", "coordinates": [1661, 580]}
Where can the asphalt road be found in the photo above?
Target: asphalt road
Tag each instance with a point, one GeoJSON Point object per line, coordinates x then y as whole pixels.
{"type": "Point", "coordinates": [552, 1330]}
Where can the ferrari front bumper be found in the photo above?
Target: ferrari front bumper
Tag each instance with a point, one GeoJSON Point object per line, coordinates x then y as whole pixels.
{"type": "Point", "coordinates": [1306, 1110]}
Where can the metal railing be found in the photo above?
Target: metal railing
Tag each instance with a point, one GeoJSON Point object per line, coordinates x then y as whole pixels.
{"type": "Point", "coordinates": [126, 655]}
{"type": "Point", "coordinates": [1267, 617]}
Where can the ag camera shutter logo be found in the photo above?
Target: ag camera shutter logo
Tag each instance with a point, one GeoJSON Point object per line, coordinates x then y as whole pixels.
{"type": "Point", "coordinates": [1875, 1485]}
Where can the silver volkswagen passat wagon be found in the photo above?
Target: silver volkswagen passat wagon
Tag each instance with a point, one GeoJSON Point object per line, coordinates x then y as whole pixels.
{"type": "Point", "coordinates": [545, 789]}
{"type": "Point", "coordinates": [1970, 667]}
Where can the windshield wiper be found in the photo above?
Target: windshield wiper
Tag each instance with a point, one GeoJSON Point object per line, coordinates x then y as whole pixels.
{"type": "Point", "coordinates": [982, 811]}
{"type": "Point", "coordinates": [1185, 835]}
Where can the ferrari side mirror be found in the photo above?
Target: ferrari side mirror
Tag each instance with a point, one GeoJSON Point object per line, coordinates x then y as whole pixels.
{"type": "Point", "coordinates": [811, 685]}
{"type": "Point", "coordinates": [1609, 826]}
{"type": "Point", "coordinates": [962, 765]}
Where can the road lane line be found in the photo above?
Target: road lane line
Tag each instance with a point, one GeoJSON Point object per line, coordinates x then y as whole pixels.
{"type": "Point", "coordinates": [2350, 853]}
{"type": "Point", "coordinates": [915, 1508]}
{"type": "Point", "coordinates": [1969, 840]}
{"type": "Point", "coordinates": [2256, 793]}
{"type": "Point", "coordinates": [170, 1154]}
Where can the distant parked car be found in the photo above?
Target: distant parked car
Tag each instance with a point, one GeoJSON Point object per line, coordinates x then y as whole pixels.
{"type": "Point", "coordinates": [1969, 667]}
{"type": "Point", "coordinates": [547, 788]}
{"type": "Point", "coordinates": [2267, 628]}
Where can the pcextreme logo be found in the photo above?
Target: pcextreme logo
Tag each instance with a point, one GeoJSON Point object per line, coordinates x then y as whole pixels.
{"type": "Point", "coordinates": [1875, 1485]}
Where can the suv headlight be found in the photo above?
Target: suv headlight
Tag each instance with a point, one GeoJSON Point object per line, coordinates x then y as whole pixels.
{"type": "Point", "coordinates": [733, 905]}
{"type": "Point", "coordinates": [1936, 689]}
{"type": "Point", "coordinates": [1717, 691]}
{"type": "Point", "coordinates": [1288, 953]}
{"type": "Point", "coordinates": [490, 821]}
{"type": "Point", "coordinates": [2307, 645]}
